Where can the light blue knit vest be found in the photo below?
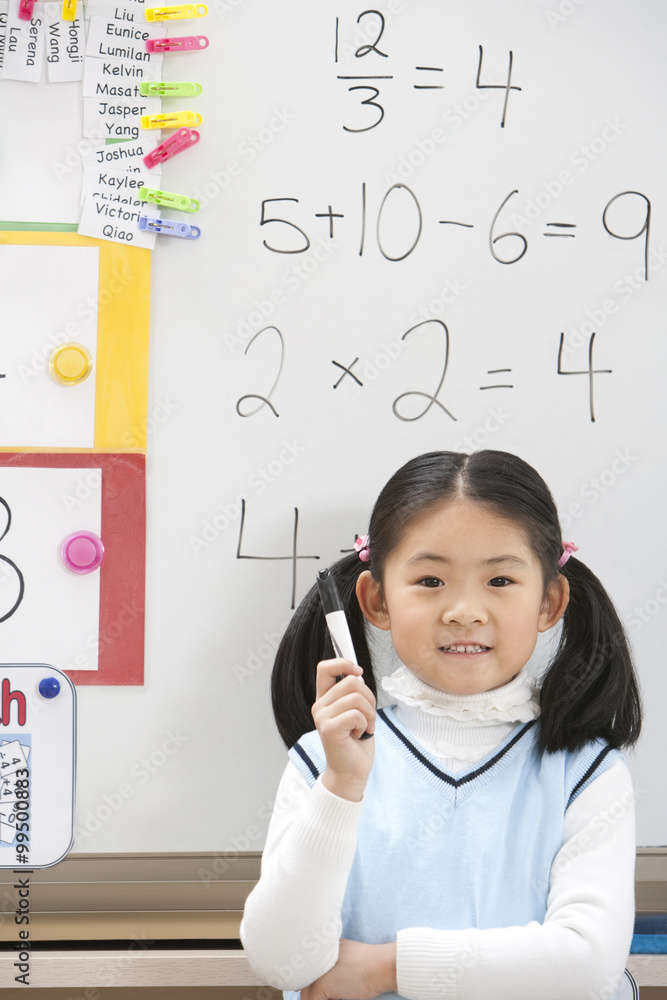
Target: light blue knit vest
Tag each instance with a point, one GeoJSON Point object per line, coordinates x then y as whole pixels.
{"type": "Point", "coordinates": [448, 851]}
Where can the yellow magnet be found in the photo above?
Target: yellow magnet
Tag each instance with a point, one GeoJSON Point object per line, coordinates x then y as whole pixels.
{"type": "Point", "coordinates": [70, 364]}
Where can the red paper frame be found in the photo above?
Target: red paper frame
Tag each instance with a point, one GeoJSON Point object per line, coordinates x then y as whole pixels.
{"type": "Point", "coordinates": [123, 572]}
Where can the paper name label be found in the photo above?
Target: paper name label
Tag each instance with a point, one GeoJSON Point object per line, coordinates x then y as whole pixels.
{"type": "Point", "coordinates": [3, 31]}
{"type": "Point", "coordinates": [116, 118]}
{"type": "Point", "coordinates": [24, 45]}
{"type": "Point", "coordinates": [109, 39]}
{"type": "Point", "coordinates": [127, 156]}
{"type": "Point", "coordinates": [65, 45]}
{"type": "Point", "coordinates": [117, 77]}
{"type": "Point", "coordinates": [132, 13]}
{"type": "Point", "coordinates": [113, 221]}
{"type": "Point", "coordinates": [115, 186]}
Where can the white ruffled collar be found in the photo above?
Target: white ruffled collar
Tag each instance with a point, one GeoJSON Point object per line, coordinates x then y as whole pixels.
{"type": "Point", "coordinates": [515, 701]}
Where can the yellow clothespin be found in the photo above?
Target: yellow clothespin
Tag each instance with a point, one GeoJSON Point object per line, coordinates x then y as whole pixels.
{"type": "Point", "coordinates": [177, 119]}
{"type": "Point", "coordinates": [177, 12]}
{"type": "Point", "coordinates": [69, 10]}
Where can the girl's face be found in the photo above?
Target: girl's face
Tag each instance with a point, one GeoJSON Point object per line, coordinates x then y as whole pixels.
{"type": "Point", "coordinates": [463, 595]}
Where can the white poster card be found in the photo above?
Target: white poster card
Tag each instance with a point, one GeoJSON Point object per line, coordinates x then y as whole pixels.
{"type": "Point", "coordinates": [49, 298]}
{"type": "Point", "coordinates": [47, 612]}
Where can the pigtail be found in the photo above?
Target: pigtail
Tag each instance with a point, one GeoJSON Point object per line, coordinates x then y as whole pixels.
{"type": "Point", "coordinates": [306, 641]}
{"type": "Point", "coordinates": [590, 689]}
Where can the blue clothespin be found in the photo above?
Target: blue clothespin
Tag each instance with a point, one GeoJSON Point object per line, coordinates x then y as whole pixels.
{"type": "Point", "coordinates": [169, 227]}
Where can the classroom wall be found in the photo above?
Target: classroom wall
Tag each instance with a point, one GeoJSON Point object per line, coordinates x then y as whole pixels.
{"type": "Point", "coordinates": [479, 234]}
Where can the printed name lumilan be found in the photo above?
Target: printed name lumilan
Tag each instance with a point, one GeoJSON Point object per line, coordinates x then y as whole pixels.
{"type": "Point", "coordinates": [129, 53]}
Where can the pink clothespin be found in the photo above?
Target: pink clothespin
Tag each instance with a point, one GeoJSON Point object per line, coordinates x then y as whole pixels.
{"type": "Point", "coordinates": [176, 143]}
{"type": "Point", "coordinates": [26, 8]}
{"type": "Point", "coordinates": [185, 43]}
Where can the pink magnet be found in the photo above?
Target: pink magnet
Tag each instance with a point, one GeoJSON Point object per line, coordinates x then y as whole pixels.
{"type": "Point", "coordinates": [82, 552]}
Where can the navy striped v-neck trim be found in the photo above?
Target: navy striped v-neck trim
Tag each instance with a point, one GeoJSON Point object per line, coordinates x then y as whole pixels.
{"type": "Point", "coordinates": [589, 773]}
{"type": "Point", "coordinates": [447, 778]}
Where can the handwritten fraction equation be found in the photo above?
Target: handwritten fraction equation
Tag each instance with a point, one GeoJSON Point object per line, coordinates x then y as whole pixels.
{"type": "Point", "coordinates": [430, 398]}
{"type": "Point", "coordinates": [374, 72]}
{"type": "Point", "coordinates": [405, 207]}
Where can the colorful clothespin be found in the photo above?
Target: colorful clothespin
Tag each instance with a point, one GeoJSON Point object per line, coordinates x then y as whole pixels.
{"type": "Point", "coordinates": [26, 8]}
{"type": "Point", "coordinates": [177, 119]}
{"type": "Point", "coordinates": [164, 88]}
{"type": "Point", "coordinates": [177, 12]}
{"type": "Point", "coordinates": [176, 143]}
{"type": "Point", "coordinates": [184, 43]}
{"type": "Point", "coordinates": [168, 198]}
{"type": "Point", "coordinates": [69, 10]}
{"type": "Point", "coordinates": [169, 227]}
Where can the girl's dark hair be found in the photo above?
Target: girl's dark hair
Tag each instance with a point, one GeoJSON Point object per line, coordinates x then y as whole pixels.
{"type": "Point", "coordinates": [589, 690]}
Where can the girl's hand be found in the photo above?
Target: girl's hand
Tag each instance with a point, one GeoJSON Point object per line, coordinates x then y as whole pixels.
{"type": "Point", "coordinates": [362, 972]}
{"type": "Point", "coordinates": [342, 712]}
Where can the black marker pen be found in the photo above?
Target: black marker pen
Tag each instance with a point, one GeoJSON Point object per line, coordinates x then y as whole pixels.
{"type": "Point", "coordinates": [336, 622]}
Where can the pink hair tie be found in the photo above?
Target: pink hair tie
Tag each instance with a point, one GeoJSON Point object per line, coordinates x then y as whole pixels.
{"type": "Point", "coordinates": [568, 549]}
{"type": "Point", "coordinates": [361, 546]}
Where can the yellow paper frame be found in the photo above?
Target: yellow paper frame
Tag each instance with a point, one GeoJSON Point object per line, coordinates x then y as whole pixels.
{"type": "Point", "coordinates": [123, 327]}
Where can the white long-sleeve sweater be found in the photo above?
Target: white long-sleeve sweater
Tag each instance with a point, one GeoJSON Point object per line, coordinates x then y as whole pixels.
{"type": "Point", "coordinates": [291, 925]}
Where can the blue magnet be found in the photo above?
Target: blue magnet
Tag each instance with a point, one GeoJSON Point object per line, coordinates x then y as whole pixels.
{"type": "Point", "coordinates": [49, 687]}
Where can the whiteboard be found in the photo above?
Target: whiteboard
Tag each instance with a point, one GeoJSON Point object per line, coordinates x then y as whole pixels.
{"type": "Point", "coordinates": [354, 300]}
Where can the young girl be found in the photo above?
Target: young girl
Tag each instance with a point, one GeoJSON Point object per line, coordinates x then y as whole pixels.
{"type": "Point", "coordinates": [481, 845]}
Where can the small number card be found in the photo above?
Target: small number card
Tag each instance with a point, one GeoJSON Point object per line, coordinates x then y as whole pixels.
{"type": "Point", "coordinates": [37, 765]}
